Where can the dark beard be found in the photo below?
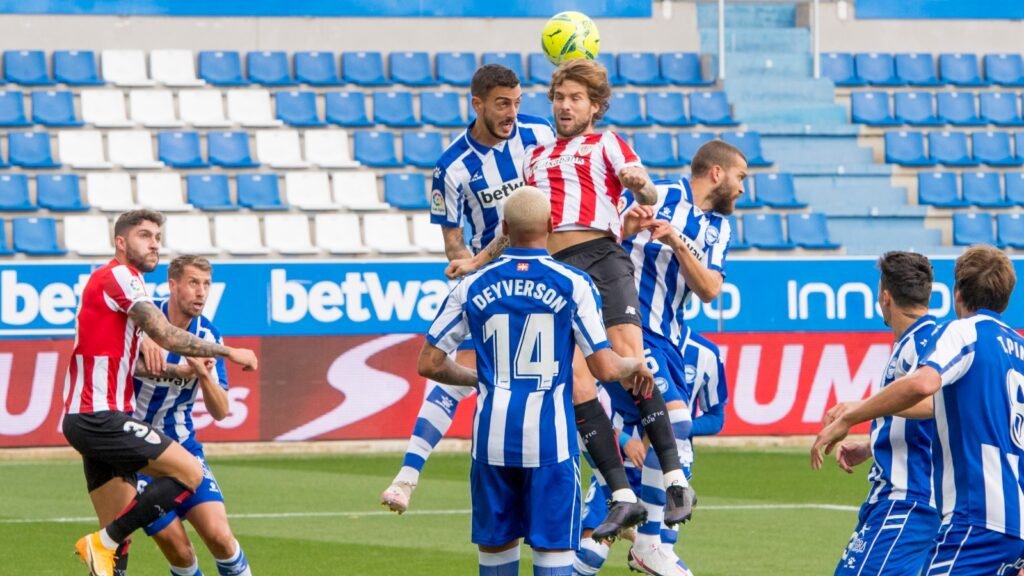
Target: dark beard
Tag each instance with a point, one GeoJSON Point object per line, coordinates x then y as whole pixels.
{"type": "Point", "coordinates": [720, 201]}
{"type": "Point", "coordinates": [490, 128]}
{"type": "Point", "coordinates": [139, 263]}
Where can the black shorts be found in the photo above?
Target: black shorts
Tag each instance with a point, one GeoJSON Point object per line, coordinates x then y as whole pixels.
{"type": "Point", "coordinates": [611, 270]}
{"type": "Point", "coordinates": [113, 445]}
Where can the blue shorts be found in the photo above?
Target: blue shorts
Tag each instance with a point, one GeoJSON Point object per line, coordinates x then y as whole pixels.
{"type": "Point", "coordinates": [892, 538]}
{"type": "Point", "coordinates": [666, 362]}
{"type": "Point", "coordinates": [208, 491]}
{"type": "Point", "coordinates": [542, 505]}
{"type": "Point", "coordinates": [965, 550]}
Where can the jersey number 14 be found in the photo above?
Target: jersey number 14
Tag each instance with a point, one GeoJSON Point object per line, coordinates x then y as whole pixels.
{"type": "Point", "coordinates": [534, 354]}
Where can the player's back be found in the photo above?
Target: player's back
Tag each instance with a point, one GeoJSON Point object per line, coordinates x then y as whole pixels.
{"type": "Point", "coordinates": [705, 383]}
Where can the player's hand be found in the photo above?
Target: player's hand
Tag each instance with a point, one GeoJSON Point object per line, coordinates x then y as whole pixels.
{"type": "Point", "coordinates": [836, 412]}
{"type": "Point", "coordinates": [201, 366]}
{"type": "Point", "coordinates": [633, 177]}
{"type": "Point", "coordinates": [643, 380]}
{"type": "Point", "coordinates": [663, 231]}
{"type": "Point", "coordinates": [851, 454]}
{"type": "Point", "coordinates": [636, 220]}
{"type": "Point", "coordinates": [153, 356]}
{"type": "Point", "coordinates": [635, 451]}
{"type": "Point", "coordinates": [243, 357]}
{"type": "Point", "coordinates": [827, 440]}
{"type": "Point", "coordinates": [460, 267]}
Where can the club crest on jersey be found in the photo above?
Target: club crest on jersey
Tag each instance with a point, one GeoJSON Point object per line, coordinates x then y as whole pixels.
{"type": "Point", "coordinates": [621, 206]}
{"type": "Point", "coordinates": [585, 150]}
{"type": "Point", "coordinates": [522, 267]}
{"type": "Point", "coordinates": [711, 236]}
{"type": "Point", "coordinates": [662, 385]}
{"type": "Point", "coordinates": [1015, 393]}
{"type": "Point", "coordinates": [890, 370]}
{"type": "Point", "coordinates": [437, 203]}
{"type": "Point", "coordinates": [690, 372]}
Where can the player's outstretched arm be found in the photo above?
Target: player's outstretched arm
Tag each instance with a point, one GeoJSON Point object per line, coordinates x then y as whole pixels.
{"type": "Point", "coordinates": [705, 282]}
{"type": "Point", "coordinates": [215, 397]}
{"type": "Point", "coordinates": [607, 365]}
{"type": "Point", "coordinates": [466, 266]}
{"type": "Point", "coordinates": [437, 366]}
{"type": "Point", "coordinates": [636, 179]}
{"type": "Point", "coordinates": [170, 337]}
{"type": "Point", "coordinates": [177, 371]}
{"type": "Point", "coordinates": [455, 244]}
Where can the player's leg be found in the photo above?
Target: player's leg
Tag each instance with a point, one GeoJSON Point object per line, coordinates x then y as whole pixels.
{"type": "Point", "coordinates": [552, 501]}
{"type": "Point", "coordinates": [108, 500]}
{"type": "Point", "coordinates": [176, 547]}
{"type": "Point", "coordinates": [210, 519]}
{"type": "Point", "coordinates": [591, 556]}
{"type": "Point", "coordinates": [497, 517]}
{"type": "Point", "coordinates": [648, 554]}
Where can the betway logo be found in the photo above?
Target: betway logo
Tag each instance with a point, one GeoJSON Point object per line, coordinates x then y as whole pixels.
{"type": "Point", "coordinates": [491, 197]}
{"type": "Point", "coordinates": [360, 297]}
{"type": "Point", "coordinates": [849, 300]}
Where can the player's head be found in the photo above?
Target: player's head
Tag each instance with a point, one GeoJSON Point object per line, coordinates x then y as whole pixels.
{"type": "Point", "coordinates": [905, 284]}
{"type": "Point", "coordinates": [137, 238]}
{"type": "Point", "coordinates": [579, 95]}
{"type": "Point", "coordinates": [984, 279]}
{"type": "Point", "coordinates": [526, 216]}
{"type": "Point", "coordinates": [188, 278]}
{"type": "Point", "coordinates": [496, 97]}
{"type": "Point", "coordinates": [720, 168]}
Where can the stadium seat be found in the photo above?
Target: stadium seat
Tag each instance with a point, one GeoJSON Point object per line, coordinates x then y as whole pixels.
{"type": "Point", "coordinates": [711, 109]}
{"type": "Point", "coordinates": [422, 149]}
{"type": "Point", "coordinates": [1000, 108]}
{"type": "Point", "coordinates": [125, 68]}
{"type": "Point", "coordinates": [1010, 230]}
{"type": "Point", "coordinates": [297, 108]}
{"type": "Point", "coordinates": [871, 108]}
{"type": "Point", "coordinates": [1018, 143]}
{"type": "Point", "coordinates": [411, 69]}
{"type": "Point", "coordinates": [12, 108]}
{"type": "Point", "coordinates": [259, 192]}
{"type": "Point", "coordinates": [153, 108]}
{"type": "Point", "coordinates": [917, 109]}
{"type": "Point", "coordinates": [239, 234]}
{"type": "Point", "coordinates": [640, 69]}
{"type": "Point", "coordinates": [611, 65]}
{"type": "Point", "coordinates": [269, 68]}
{"type": "Point", "coordinates": [161, 191]}
{"type": "Point", "coordinates": [363, 69]}
{"type": "Point", "coordinates": [750, 144]}
{"type": "Point", "coordinates": [1005, 70]}
{"type": "Point", "coordinates": [839, 68]}
{"type": "Point", "coordinates": [776, 190]}
{"type": "Point", "coordinates": [36, 237]}
{"type": "Point", "coordinates": [993, 148]}
{"type": "Point", "coordinates": [357, 191]}
{"type": "Point", "coordinates": [109, 191]}
{"type": "Point", "coordinates": [346, 109]}
{"type": "Point", "coordinates": [959, 109]}
{"type": "Point", "coordinates": [984, 189]}
{"type": "Point", "coordinates": [26, 67]}
{"type": "Point", "coordinates": [209, 192]}
{"type": "Point", "coordinates": [105, 109]}
{"type": "Point", "coordinates": [174, 68]}
{"type": "Point", "coordinates": [810, 231]}
{"type": "Point", "coordinates": [877, 69]}
{"type": "Point", "coordinates": [970, 228]}
{"type": "Point", "coordinates": [188, 234]}
{"type": "Point", "coordinates": [938, 189]}
{"type": "Point", "coordinates": [690, 142]}
{"type": "Point", "coordinates": [388, 233]}
{"type": "Point", "coordinates": [180, 150]}
{"type": "Point", "coordinates": [655, 149]}
{"type": "Point", "coordinates": [203, 108]}
{"type": "Point", "coordinates": [339, 233]}
{"type": "Point", "coordinates": [221, 68]}
{"type": "Point", "coordinates": [132, 149]}
{"type": "Point", "coordinates": [624, 110]}
{"type": "Point", "coordinates": [682, 69]}
{"type": "Point", "coordinates": [765, 231]}
{"type": "Point", "coordinates": [456, 68]}
{"type": "Point", "coordinates": [288, 234]}
{"type": "Point", "coordinates": [736, 241]}
{"type": "Point", "coordinates": [960, 70]}
{"type": "Point", "coordinates": [14, 193]}
{"type": "Point", "coordinates": [251, 108]}
{"type": "Point", "coordinates": [425, 235]}
{"type": "Point", "coordinates": [31, 150]}
{"type": "Point", "coordinates": [533, 104]}
{"type": "Point", "coordinates": [916, 69]}
{"type": "Point", "coordinates": [665, 109]}
{"type": "Point", "coordinates": [82, 149]}
{"type": "Point", "coordinates": [88, 235]}
{"type": "Point", "coordinates": [328, 149]}
{"type": "Point", "coordinates": [230, 150]}
{"type": "Point", "coordinates": [76, 68]}
{"type": "Point", "coordinates": [950, 149]}
{"type": "Point", "coordinates": [540, 68]}
{"type": "Point", "coordinates": [406, 191]}
{"type": "Point", "coordinates": [279, 149]}
{"type": "Point", "coordinates": [394, 109]}
{"type": "Point", "coordinates": [54, 108]}
{"type": "Point", "coordinates": [317, 69]}
{"type": "Point", "coordinates": [60, 193]}
{"type": "Point", "coordinates": [1015, 188]}
{"type": "Point", "coordinates": [308, 191]}
{"type": "Point", "coordinates": [510, 60]}
{"type": "Point", "coordinates": [441, 109]}
{"type": "Point", "coordinates": [376, 149]}
{"type": "Point", "coordinates": [5, 249]}
{"type": "Point", "coordinates": [906, 149]}
{"type": "Point", "coordinates": [748, 200]}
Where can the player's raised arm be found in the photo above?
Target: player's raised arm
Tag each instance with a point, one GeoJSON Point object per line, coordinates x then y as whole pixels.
{"type": "Point", "coordinates": [636, 179]}
{"type": "Point", "coordinates": [606, 365]}
{"type": "Point", "coordinates": [466, 266]}
{"type": "Point", "coordinates": [155, 325]}
{"type": "Point", "coordinates": [705, 282]}
{"type": "Point", "coordinates": [436, 365]}
{"type": "Point", "coordinates": [455, 244]}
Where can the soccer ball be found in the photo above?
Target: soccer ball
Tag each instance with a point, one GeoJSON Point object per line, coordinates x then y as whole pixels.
{"type": "Point", "coordinates": [568, 36]}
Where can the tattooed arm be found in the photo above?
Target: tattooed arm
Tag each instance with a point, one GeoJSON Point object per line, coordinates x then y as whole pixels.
{"type": "Point", "coordinates": [454, 244]}
{"type": "Point", "coordinates": [169, 371]}
{"type": "Point", "coordinates": [635, 178]}
{"type": "Point", "coordinates": [437, 366]}
{"type": "Point", "coordinates": [464, 266]}
{"type": "Point", "coordinates": [170, 337]}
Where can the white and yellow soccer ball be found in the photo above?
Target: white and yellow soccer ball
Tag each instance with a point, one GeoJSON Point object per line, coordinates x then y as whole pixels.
{"type": "Point", "coordinates": [568, 36]}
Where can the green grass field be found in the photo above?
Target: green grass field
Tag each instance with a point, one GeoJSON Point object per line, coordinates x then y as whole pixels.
{"type": "Point", "coordinates": [299, 515]}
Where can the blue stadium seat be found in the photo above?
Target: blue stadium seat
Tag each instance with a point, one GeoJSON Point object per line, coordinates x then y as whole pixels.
{"type": "Point", "coordinates": [14, 193]}
{"type": "Point", "coordinates": [959, 109]}
{"type": "Point", "coordinates": [36, 237]}
{"type": "Point", "coordinates": [259, 192]}
{"type": "Point", "coordinates": [624, 110]}
{"type": "Point", "coordinates": [1010, 230]}
{"type": "Point", "coordinates": [839, 68]}
{"type": "Point", "coordinates": [76, 68]}
{"type": "Point", "coordinates": [750, 144]}
{"type": "Point", "coordinates": [993, 148]}
{"type": "Point", "coordinates": [748, 200]}
{"type": "Point", "coordinates": [950, 149]}
{"type": "Point", "coordinates": [611, 65]}
{"type": "Point", "coordinates": [765, 231]}
{"type": "Point", "coordinates": [180, 150]}
{"type": "Point", "coordinates": [441, 109]}
{"type": "Point", "coordinates": [60, 192]}
{"type": "Point", "coordinates": [689, 143]}
{"type": "Point", "coordinates": [777, 191]}
{"type": "Point", "coordinates": [877, 69]}
{"type": "Point", "coordinates": [534, 104]}
{"type": "Point", "coordinates": [422, 149]}
{"type": "Point", "coordinates": [456, 68]}
{"type": "Point", "coordinates": [906, 149]}
{"type": "Point", "coordinates": [1000, 108]}
{"type": "Point", "coordinates": [297, 108]}
{"type": "Point", "coordinates": [394, 109]}
{"type": "Point", "coordinates": [317, 68]}
{"type": "Point", "coordinates": [810, 231]}
{"type": "Point", "coordinates": [540, 68]}
{"type": "Point", "coordinates": [938, 189]}
{"type": "Point", "coordinates": [960, 70]}
{"type": "Point", "coordinates": [376, 149]}
{"type": "Point", "coordinates": [54, 108]}
{"type": "Point", "coordinates": [12, 108]}
{"type": "Point", "coordinates": [1005, 69]}
{"type": "Point", "coordinates": [209, 192]}
{"type": "Point", "coordinates": [1018, 144]}
{"type": "Point", "coordinates": [5, 249]}
{"type": "Point", "coordinates": [269, 68]}
{"type": "Point", "coordinates": [363, 68]}
{"type": "Point", "coordinates": [221, 68]}
{"type": "Point", "coordinates": [640, 69]}
{"type": "Point", "coordinates": [666, 109]}
{"type": "Point", "coordinates": [711, 109]}
{"type": "Point", "coordinates": [683, 69]}
{"type": "Point", "coordinates": [916, 69]}
{"type": "Point", "coordinates": [736, 241]}
{"type": "Point", "coordinates": [984, 189]}
{"type": "Point", "coordinates": [346, 109]}
{"type": "Point", "coordinates": [406, 191]}
{"type": "Point", "coordinates": [510, 60]}
{"type": "Point", "coordinates": [916, 109]}
{"type": "Point", "coordinates": [411, 69]}
{"type": "Point", "coordinates": [871, 108]}
{"type": "Point", "coordinates": [655, 149]}
{"type": "Point", "coordinates": [970, 228]}
{"type": "Point", "coordinates": [31, 150]}
{"type": "Point", "coordinates": [230, 149]}
{"type": "Point", "coordinates": [1015, 188]}
{"type": "Point", "coordinates": [26, 67]}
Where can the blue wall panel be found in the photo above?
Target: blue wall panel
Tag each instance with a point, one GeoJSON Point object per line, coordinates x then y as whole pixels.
{"type": "Point", "coordinates": [923, 9]}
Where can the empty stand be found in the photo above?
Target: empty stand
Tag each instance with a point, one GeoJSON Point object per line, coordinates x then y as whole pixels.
{"type": "Point", "coordinates": [640, 69]}
{"type": "Point", "coordinates": [328, 149]}
{"type": "Point", "coordinates": [297, 108]}
{"type": "Point", "coordinates": [406, 191]}
{"type": "Point", "coordinates": [1000, 108]}
{"type": "Point", "coordinates": [958, 108]}
{"type": "Point", "coordinates": [26, 67]}
{"type": "Point", "coordinates": [346, 109]}
{"type": "Point", "coordinates": [388, 233]}
{"type": "Point", "coordinates": [810, 231]}
{"type": "Point", "coordinates": [971, 228]}
{"type": "Point", "coordinates": [411, 68]}
{"type": "Point", "coordinates": [950, 149]}
{"type": "Point", "coordinates": [938, 189]}
{"type": "Point", "coordinates": [105, 109]}
{"type": "Point", "coordinates": [221, 68]}
{"type": "Point", "coordinates": [664, 109]}
{"type": "Point", "coordinates": [690, 142]}
{"type": "Point", "coordinates": [161, 191]}
{"type": "Point", "coordinates": [36, 237]}
{"type": "Point", "coordinates": [339, 234]}
{"type": "Point", "coordinates": [269, 68]}
{"type": "Point", "coordinates": [209, 192]}
{"type": "Point", "coordinates": [109, 191]}
{"type": "Point", "coordinates": [541, 70]}
{"type": "Point", "coordinates": [317, 68]}
{"type": "Point", "coordinates": [1004, 70]}
{"type": "Point", "coordinates": [88, 235]}
{"type": "Point", "coordinates": [1010, 230]}
{"type": "Point", "coordinates": [259, 192]}
{"type": "Point", "coordinates": [357, 191]}
{"type": "Point", "coordinates": [394, 109]}
{"type": "Point", "coordinates": [683, 69]}
{"type": "Point", "coordinates": [376, 149]}
{"type": "Point", "coordinates": [363, 68]}
{"type": "Point", "coordinates": [309, 190]}
{"type": "Point", "coordinates": [14, 195]}
{"type": "Point", "coordinates": [31, 150]}
{"type": "Point", "coordinates": [426, 235]}
{"type": "Point", "coordinates": [82, 149]}
{"type": "Point", "coordinates": [251, 108]}
{"type": "Point", "coordinates": [750, 144]}
{"type": "Point", "coordinates": [180, 150]}
{"type": "Point", "coordinates": [288, 234]}
{"type": "Point", "coordinates": [533, 104]}
{"type": "Point", "coordinates": [279, 149]}
{"type": "Point", "coordinates": [132, 149]}
{"type": "Point", "coordinates": [960, 70]}
{"type": "Point", "coordinates": [441, 109]}
{"type": "Point", "coordinates": [916, 70]}
{"type": "Point", "coordinates": [777, 191]}
{"type": "Point", "coordinates": [656, 149]}
{"type": "Point", "coordinates": [230, 150]}
{"type": "Point", "coordinates": [877, 69]}
{"type": "Point", "coordinates": [76, 68]}
{"type": "Point", "coordinates": [984, 189]}
{"type": "Point", "coordinates": [917, 109]}
{"type": "Point", "coordinates": [624, 110]}
{"type": "Point", "coordinates": [60, 193]}
{"type": "Point", "coordinates": [510, 60]}
{"type": "Point", "coordinates": [765, 231]}
{"type": "Point", "coordinates": [993, 148]}
{"type": "Point", "coordinates": [175, 68]}
{"type": "Point", "coordinates": [422, 149]}
{"type": "Point", "coordinates": [188, 234]}
{"type": "Point", "coordinates": [153, 108]}
{"type": "Point", "coordinates": [12, 108]}
{"type": "Point", "coordinates": [456, 68]}
{"type": "Point", "coordinates": [54, 108]}
{"type": "Point", "coordinates": [239, 234]}
{"type": "Point", "coordinates": [872, 108]}
{"type": "Point", "coordinates": [711, 108]}
{"type": "Point", "coordinates": [906, 148]}
{"type": "Point", "coordinates": [202, 108]}
{"type": "Point", "coordinates": [125, 68]}
{"type": "Point", "coordinates": [840, 68]}
{"type": "Point", "coordinates": [1015, 188]}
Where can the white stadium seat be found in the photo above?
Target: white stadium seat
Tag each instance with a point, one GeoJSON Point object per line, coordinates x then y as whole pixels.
{"type": "Point", "coordinates": [175, 68]}
{"type": "Point", "coordinates": [426, 235]}
{"type": "Point", "coordinates": [161, 191]}
{"type": "Point", "coordinates": [239, 234]}
{"type": "Point", "coordinates": [288, 234]}
{"type": "Point", "coordinates": [132, 149]}
{"type": "Point", "coordinates": [279, 149]}
{"type": "Point", "coordinates": [388, 233]}
{"type": "Point", "coordinates": [153, 108]}
{"type": "Point", "coordinates": [188, 234]}
{"type": "Point", "coordinates": [105, 109]}
{"type": "Point", "coordinates": [328, 149]}
{"type": "Point", "coordinates": [339, 234]}
{"type": "Point", "coordinates": [109, 191]}
{"type": "Point", "coordinates": [357, 191]}
{"type": "Point", "coordinates": [308, 191]}
{"type": "Point", "coordinates": [82, 149]}
{"type": "Point", "coordinates": [125, 68]}
{"type": "Point", "coordinates": [88, 235]}
{"type": "Point", "coordinates": [203, 108]}
{"type": "Point", "coordinates": [251, 108]}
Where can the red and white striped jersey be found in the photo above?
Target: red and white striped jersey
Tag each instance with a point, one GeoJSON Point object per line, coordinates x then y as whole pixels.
{"type": "Point", "coordinates": [106, 342]}
{"type": "Point", "coordinates": [581, 176]}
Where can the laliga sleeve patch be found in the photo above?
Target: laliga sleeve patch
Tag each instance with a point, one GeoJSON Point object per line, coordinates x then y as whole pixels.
{"type": "Point", "coordinates": [437, 203]}
{"type": "Point", "coordinates": [136, 289]}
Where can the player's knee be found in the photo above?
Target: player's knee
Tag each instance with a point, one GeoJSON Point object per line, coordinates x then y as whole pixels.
{"type": "Point", "coordinates": [191, 474]}
{"type": "Point", "coordinates": [221, 542]}
{"type": "Point", "coordinates": [180, 553]}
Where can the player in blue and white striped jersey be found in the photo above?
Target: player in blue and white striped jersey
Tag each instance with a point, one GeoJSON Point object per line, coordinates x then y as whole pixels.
{"type": "Point", "coordinates": [898, 521]}
{"type": "Point", "coordinates": [168, 405]}
{"type": "Point", "coordinates": [971, 378]}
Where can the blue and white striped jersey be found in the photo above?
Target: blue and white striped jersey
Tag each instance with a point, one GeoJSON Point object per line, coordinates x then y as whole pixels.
{"type": "Point", "coordinates": [979, 418]}
{"type": "Point", "coordinates": [661, 286]}
{"type": "Point", "coordinates": [167, 403]}
{"type": "Point", "coordinates": [705, 385]}
{"type": "Point", "coordinates": [902, 447]}
{"type": "Point", "coordinates": [471, 181]}
{"type": "Point", "coordinates": [518, 311]}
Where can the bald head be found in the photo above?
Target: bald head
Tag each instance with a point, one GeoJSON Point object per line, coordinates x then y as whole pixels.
{"type": "Point", "coordinates": [527, 216]}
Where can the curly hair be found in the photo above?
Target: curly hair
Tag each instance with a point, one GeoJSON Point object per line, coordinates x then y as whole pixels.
{"type": "Point", "coordinates": [588, 73]}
